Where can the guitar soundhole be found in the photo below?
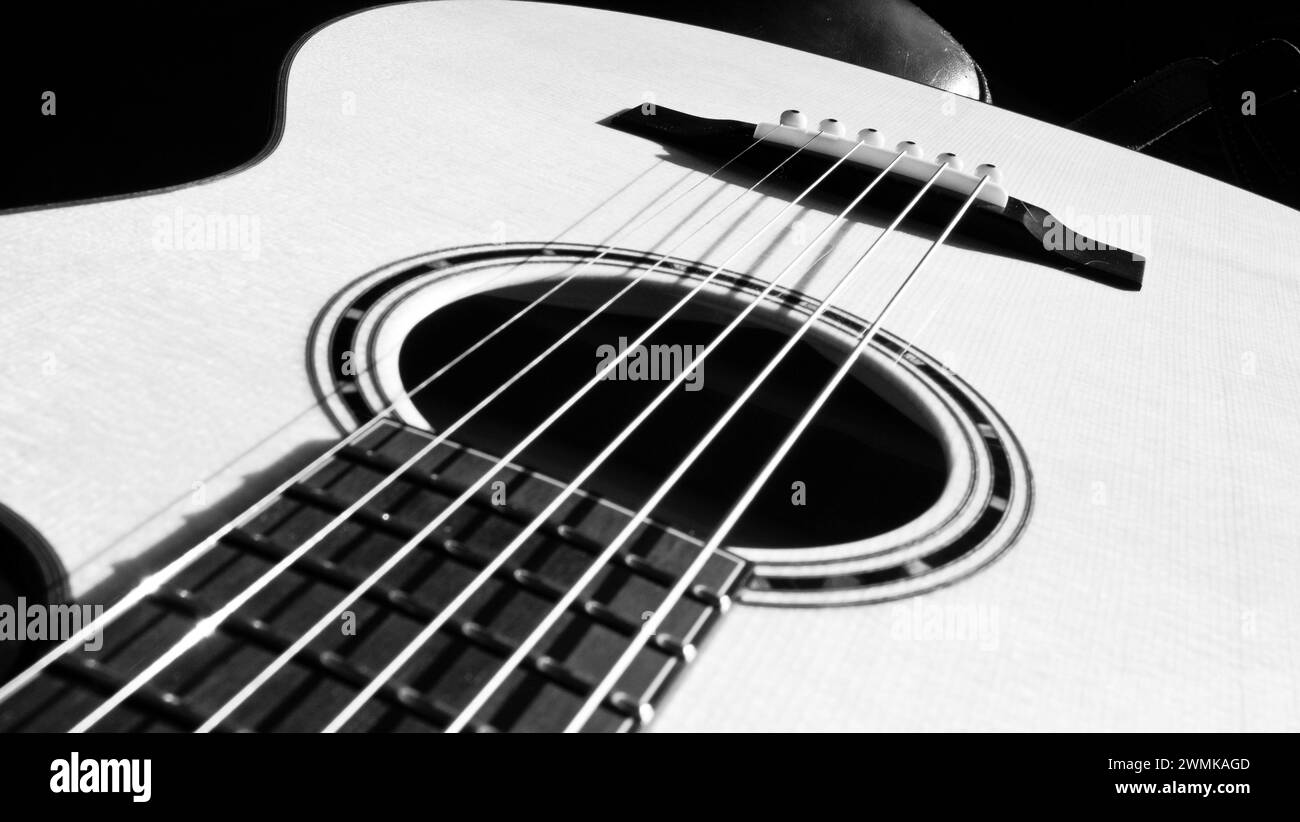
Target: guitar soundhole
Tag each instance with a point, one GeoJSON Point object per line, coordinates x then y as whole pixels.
{"type": "Point", "coordinates": [907, 480]}
{"type": "Point", "coordinates": [863, 468]}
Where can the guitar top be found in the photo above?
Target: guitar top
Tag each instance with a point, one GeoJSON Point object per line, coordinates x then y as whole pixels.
{"type": "Point", "coordinates": [527, 374]}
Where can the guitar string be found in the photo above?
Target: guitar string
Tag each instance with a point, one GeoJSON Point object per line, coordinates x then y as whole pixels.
{"type": "Point", "coordinates": [448, 611]}
{"type": "Point", "coordinates": [602, 560]}
{"type": "Point", "coordinates": [152, 582]}
{"type": "Point", "coordinates": [359, 590]}
{"type": "Point", "coordinates": [208, 625]}
{"type": "Point", "coordinates": [650, 626]}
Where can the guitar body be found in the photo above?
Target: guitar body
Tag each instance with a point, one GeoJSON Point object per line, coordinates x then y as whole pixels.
{"type": "Point", "coordinates": [153, 384]}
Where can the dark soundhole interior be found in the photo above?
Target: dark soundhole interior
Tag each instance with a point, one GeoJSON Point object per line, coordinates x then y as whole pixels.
{"type": "Point", "coordinates": [865, 467]}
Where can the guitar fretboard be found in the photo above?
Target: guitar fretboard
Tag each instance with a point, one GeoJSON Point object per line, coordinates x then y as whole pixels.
{"type": "Point", "coordinates": [544, 693]}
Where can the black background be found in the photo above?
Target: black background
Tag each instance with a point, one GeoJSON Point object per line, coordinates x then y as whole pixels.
{"type": "Point", "coordinates": [915, 775]}
{"type": "Point", "coordinates": [158, 93]}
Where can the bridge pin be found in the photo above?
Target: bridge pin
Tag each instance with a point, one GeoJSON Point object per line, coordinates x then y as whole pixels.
{"type": "Point", "coordinates": [794, 118]}
{"type": "Point", "coordinates": [909, 148]}
{"type": "Point", "coordinates": [832, 127]}
{"type": "Point", "coordinates": [871, 137]}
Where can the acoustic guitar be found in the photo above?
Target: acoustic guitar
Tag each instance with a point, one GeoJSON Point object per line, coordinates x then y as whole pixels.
{"type": "Point", "coordinates": [562, 370]}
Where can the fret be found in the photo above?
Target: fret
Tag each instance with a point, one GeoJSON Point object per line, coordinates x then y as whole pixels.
{"type": "Point", "coordinates": [549, 686]}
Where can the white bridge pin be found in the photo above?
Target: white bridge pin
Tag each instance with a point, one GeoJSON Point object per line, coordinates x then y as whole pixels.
{"type": "Point", "coordinates": [870, 148]}
{"type": "Point", "coordinates": [871, 137]}
{"type": "Point", "coordinates": [832, 127]}
{"type": "Point", "coordinates": [794, 118]}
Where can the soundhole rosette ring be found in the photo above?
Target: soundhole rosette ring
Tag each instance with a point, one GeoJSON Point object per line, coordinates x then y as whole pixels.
{"type": "Point", "coordinates": [987, 497]}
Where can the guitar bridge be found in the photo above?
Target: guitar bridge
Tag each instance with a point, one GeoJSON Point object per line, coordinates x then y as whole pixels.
{"type": "Point", "coordinates": [996, 221]}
